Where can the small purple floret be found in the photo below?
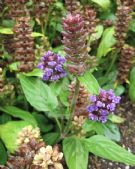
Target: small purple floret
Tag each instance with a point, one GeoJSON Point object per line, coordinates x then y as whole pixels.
{"type": "Point", "coordinates": [52, 63]}
{"type": "Point", "coordinates": [93, 98]}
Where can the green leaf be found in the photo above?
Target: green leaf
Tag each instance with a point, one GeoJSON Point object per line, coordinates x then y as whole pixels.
{"type": "Point", "coordinates": [119, 90]}
{"type": "Point", "coordinates": [9, 133]}
{"type": "Point", "coordinates": [3, 154]}
{"type": "Point", "coordinates": [96, 126]}
{"type": "Point", "coordinates": [116, 119]}
{"type": "Point", "coordinates": [106, 43]}
{"type": "Point", "coordinates": [19, 113]}
{"type": "Point", "coordinates": [14, 66]}
{"type": "Point", "coordinates": [58, 86]}
{"type": "Point", "coordinates": [97, 34]}
{"type": "Point", "coordinates": [104, 4]}
{"type": "Point", "coordinates": [38, 94]}
{"type": "Point", "coordinates": [59, 50]}
{"type": "Point", "coordinates": [59, 27]}
{"type": "Point", "coordinates": [4, 118]}
{"type": "Point", "coordinates": [35, 72]}
{"type": "Point", "coordinates": [105, 148]}
{"type": "Point", "coordinates": [7, 31]}
{"type": "Point", "coordinates": [43, 123]}
{"type": "Point", "coordinates": [64, 97]}
{"type": "Point", "coordinates": [132, 85]}
{"type": "Point", "coordinates": [51, 138]}
{"type": "Point", "coordinates": [59, 5]}
{"type": "Point", "coordinates": [89, 81]}
{"type": "Point", "coordinates": [75, 152]}
{"type": "Point", "coordinates": [132, 25]}
{"type": "Point", "coordinates": [8, 23]}
{"type": "Point", "coordinates": [36, 34]}
{"type": "Point", "coordinates": [111, 131]}
{"type": "Point", "coordinates": [108, 129]}
{"type": "Point", "coordinates": [29, 3]}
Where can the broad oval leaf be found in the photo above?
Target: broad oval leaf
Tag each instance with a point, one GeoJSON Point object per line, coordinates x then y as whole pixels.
{"type": "Point", "coordinates": [19, 113]}
{"type": "Point", "coordinates": [9, 133]}
{"type": "Point", "coordinates": [38, 94]}
{"type": "Point", "coordinates": [76, 153]}
{"type": "Point", "coordinates": [103, 147]}
{"type": "Point", "coordinates": [89, 81]}
{"type": "Point", "coordinates": [132, 85]}
{"type": "Point", "coordinates": [106, 43]}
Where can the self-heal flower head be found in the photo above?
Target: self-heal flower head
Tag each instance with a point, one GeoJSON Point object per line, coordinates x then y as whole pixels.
{"type": "Point", "coordinates": [102, 105]}
{"type": "Point", "coordinates": [52, 66]}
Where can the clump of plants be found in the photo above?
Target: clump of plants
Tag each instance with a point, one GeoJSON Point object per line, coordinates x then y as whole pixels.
{"type": "Point", "coordinates": [62, 82]}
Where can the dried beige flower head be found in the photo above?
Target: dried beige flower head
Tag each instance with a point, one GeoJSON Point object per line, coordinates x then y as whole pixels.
{"type": "Point", "coordinates": [48, 156]}
{"type": "Point", "coordinates": [28, 133]}
{"type": "Point", "coordinates": [77, 124]}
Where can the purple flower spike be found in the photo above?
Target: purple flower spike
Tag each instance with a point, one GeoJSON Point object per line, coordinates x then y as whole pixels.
{"type": "Point", "coordinates": [102, 105]}
{"type": "Point", "coordinates": [52, 66]}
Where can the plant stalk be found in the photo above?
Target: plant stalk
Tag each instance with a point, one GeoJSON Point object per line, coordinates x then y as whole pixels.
{"type": "Point", "coordinates": [73, 104]}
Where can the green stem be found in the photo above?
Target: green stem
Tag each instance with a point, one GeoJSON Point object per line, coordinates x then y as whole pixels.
{"type": "Point", "coordinates": [114, 54]}
{"type": "Point", "coordinates": [58, 123]}
{"type": "Point", "coordinates": [47, 18]}
{"type": "Point", "coordinates": [54, 33]}
{"type": "Point", "coordinates": [73, 104]}
{"type": "Point", "coordinates": [74, 100]}
{"type": "Point", "coordinates": [42, 28]}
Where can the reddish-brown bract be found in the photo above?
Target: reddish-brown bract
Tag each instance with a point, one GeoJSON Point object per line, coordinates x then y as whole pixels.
{"type": "Point", "coordinates": [125, 62]}
{"type": "Point", "coordinates": [123, 20]}
{"type": "Point", "coordinates": [24, 45]}
{"type": "Point", "coordinates": [74, 41]}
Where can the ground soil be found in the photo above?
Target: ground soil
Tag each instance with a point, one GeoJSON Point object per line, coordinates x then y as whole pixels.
{"type": "Point", "coordinates": [127, 129]}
